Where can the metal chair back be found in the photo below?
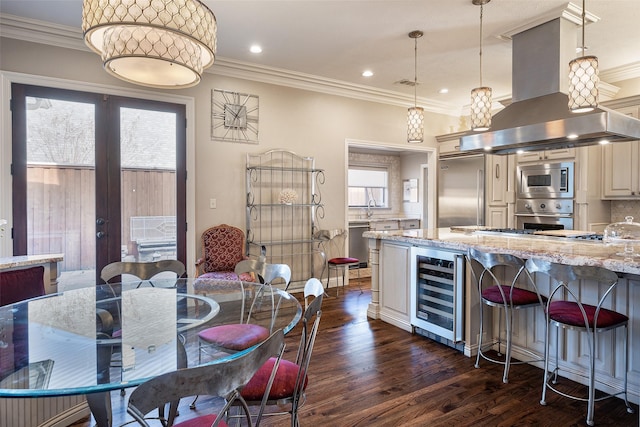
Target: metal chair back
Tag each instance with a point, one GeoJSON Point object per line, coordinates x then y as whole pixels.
{"type": "Point", "coordinates": [144, 271]}
{"type": "Point", "coordinates": [313, 287]}
{"type": "Point", "coordinates": [223, 379]}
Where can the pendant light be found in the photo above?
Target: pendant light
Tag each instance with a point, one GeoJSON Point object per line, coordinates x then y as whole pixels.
{"type": "Point", "coordinates": [583, 79]}
{"type": "Point", "coordinates": [415, 122]}
{"type": "Point", "coordinates": [157, 43]}
{"type": "Point", "coordinates": [480, 96]}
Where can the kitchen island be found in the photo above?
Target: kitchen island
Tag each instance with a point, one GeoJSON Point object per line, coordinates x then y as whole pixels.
{"type": "Point", "coordinates": [393, 283]}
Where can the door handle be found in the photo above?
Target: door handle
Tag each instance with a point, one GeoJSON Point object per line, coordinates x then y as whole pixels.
{"type": "Point", "coordinates": [101, 221]}
{"type": "Point", "coordinates": [100, 234]}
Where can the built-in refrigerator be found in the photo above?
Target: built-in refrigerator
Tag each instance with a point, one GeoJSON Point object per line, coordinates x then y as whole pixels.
{"type": "Point", "coordinates": [461, 191]}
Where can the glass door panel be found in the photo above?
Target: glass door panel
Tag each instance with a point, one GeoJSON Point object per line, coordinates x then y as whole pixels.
{"type": "Point", "coordinates": [148, 182]}
{"type": "Point", "coordinates": [61, 182]}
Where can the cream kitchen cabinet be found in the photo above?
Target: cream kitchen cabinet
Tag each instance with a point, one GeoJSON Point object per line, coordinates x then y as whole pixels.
{"type": "Point", "coordinates": [497, 179]}
{"type": "Point", "coordinates": [395, 273]}
{"type": "Point", "coordinates": [408, 224]}
{"type": "Point", "coordinates": [536, 156]}
{"type": "Point", "coordinates": [620, 168]}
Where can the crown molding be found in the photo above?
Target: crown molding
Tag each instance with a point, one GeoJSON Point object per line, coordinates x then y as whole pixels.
{"type": "Point", "coordinates": [42, 32]}
{"type": "Point", "coordinates": [624, 72]}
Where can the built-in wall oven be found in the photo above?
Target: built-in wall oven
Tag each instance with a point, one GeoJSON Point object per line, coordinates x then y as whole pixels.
{"type": "Point", "coordinates": [545, 196]}
{"type": "Point", "coordinates": [437, 292]}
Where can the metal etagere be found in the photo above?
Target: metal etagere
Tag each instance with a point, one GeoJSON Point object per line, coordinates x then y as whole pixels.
{"type": "Point", "coordinates": [284, 205]}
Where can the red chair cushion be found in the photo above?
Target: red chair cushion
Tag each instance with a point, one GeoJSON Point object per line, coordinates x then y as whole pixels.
{"type": "Point", "coordinates": [568, 313]}
{"type": "Point", "coordinates": [238, 336]}
{"type": "Point", "coordinates": [19, 285]}
{"type": "Point", "coordinates": [283, 384]}
{"type": "Point", "coordinates": [203, 421]}
{"type": "Point", "coordinates": [344, 260]}
{"type": "Point", "coordinates": [519, 296]}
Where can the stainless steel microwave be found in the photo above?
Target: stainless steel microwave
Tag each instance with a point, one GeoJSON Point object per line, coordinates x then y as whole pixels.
{"type": "Point", "coordinates": [546, 181]}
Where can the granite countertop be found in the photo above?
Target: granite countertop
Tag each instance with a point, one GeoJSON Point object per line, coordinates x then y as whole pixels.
{"type": "Point", "coordinates": [27, 260]}
{"type": "Point", "coordinates": [554, 249]}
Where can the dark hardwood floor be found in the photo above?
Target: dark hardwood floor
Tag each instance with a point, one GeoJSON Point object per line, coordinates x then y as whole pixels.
{"type": "Point", "coordinates": [368, 373]}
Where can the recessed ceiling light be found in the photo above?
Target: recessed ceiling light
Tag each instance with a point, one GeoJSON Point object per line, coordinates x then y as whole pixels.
{"type": "Point", "coordinates": [604, 142]}
{"type": "Point", "coordinates": [367, 73]}
{"type": "Point", "coordinates": [255, 49]}
{"type": "Point", "coordinates": [572, 136]}
{"type": "Point", "coordinates": [443, 90]}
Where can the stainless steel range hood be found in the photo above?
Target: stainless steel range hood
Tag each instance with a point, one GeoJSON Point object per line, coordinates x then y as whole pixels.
{"type": "Point", "coordinates": [539, 117]}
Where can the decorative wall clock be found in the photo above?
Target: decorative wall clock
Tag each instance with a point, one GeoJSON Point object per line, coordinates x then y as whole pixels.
{"type": "Point", "coordinates": [234, 116]}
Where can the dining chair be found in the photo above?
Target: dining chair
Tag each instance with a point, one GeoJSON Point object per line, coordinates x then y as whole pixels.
{"type": "Point", "coordinates": [21, 284]}
{"type": "Point", "coordinates": [568, 310]}
{"type": "Point", "coordinates": [225, 380]}
{"type": "Point", "coordinates": [144, 271]}
{"type": "Point", "coordinates": [312, 288]}
{"type": "Point", "coordinates": [288, 387]}
{"type": "Point", "coordinates": [496, 276]}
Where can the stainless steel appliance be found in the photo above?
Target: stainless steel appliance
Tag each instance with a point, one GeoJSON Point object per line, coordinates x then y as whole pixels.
{"type": "Point", "coordinates": [461, 191]}
{"type": "Point", "coordinates": [437, 292]}
{"type": "Point", "coordinates": [358, 245]}
{"type": "Point", "coordinates": [545, 196]}
{"type": "Point", "coordinates": [545, 181]}
{"type": "Point", "coordinates": [544, 214]}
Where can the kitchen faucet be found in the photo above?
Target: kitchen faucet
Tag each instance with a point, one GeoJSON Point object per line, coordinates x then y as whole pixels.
{"type": "Point", "coordinates": [369, 212]}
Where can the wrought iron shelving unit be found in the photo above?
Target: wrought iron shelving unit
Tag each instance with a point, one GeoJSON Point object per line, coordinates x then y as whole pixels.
{"type": "Point", "coordinates": [284, 205]}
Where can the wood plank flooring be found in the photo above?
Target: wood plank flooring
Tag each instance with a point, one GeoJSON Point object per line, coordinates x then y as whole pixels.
{"type": "Point", "coordinates": [367, 373]}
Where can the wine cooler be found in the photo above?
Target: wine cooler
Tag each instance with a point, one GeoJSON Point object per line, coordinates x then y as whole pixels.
{"type": "Point", "coordinates": [437, 294]}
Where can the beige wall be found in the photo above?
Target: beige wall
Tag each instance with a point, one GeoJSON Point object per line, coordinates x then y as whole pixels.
{"type": "Point", "coordinates": [306, 122]}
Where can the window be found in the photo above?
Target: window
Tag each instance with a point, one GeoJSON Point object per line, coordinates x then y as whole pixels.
{"type": "Point", "coordinates": [368, 186]}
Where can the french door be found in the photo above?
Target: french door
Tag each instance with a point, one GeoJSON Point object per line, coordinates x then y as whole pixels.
{"type": "Point", "coordinates": [96, 177]}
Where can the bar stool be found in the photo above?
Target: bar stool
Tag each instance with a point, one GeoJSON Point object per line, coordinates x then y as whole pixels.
{"type": "Point", "coordinates": [565, 310]}
{"type": "Point", "coordinates": [497, 288]}
{"type": "Point", "coordinates": [331, 241]}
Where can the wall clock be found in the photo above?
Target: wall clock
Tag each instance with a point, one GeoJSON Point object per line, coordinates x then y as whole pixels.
{"type": "Point", "coordinates": [234, 116]}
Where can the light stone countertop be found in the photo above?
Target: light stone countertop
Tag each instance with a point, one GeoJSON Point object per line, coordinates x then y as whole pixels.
{"type": "Point", "coordinates": [28, 260]}
{"type": "Point", "coordinates": [554, 249]}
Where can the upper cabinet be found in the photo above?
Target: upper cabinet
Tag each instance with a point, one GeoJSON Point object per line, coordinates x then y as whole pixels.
{"type": "Point", "coordinates": [620, 166]}
{"type": "Point", "coordinates": [536, 156]}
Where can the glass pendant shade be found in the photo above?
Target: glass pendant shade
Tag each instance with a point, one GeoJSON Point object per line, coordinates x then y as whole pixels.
{"type": "Point", "coordinates": [415, 125]}
{"type": "Point", "coordinates": [481, 108]}
{"type": "Point", "coordinates": [583, 84]}
{"type": "Point", "coordinates": [155, 43]}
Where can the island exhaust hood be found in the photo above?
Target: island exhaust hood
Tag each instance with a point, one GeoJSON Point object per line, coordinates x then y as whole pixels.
{"type": "Point", "coordinates": [539, 116]}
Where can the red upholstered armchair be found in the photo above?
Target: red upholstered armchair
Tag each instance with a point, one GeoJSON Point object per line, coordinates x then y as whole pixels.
{"type": "Point", "coordinates": [222, 248]}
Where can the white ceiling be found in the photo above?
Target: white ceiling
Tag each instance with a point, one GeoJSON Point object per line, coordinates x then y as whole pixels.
{"type": "Point", "coordinates": [338, 40]}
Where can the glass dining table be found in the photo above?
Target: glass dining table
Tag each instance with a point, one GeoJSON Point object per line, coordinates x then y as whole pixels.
{"type": "Point", "coordinates": [97, 339]}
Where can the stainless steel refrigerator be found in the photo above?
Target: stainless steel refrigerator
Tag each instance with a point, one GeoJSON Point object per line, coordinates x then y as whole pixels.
{"type": "Point", "coordinates": [461, 191]}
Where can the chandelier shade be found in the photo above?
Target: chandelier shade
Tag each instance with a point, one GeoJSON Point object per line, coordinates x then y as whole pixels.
{"type": "Point", "coordinates": [583, 79]}
{"type": "Point", "coordinates": [481, 108]}
{"type": "Point", "coordinates": [415, 125]}
{"type": "Point", "coordinates": [155, 43]}
{"type": "Point", "coordinates": [583, 84]}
